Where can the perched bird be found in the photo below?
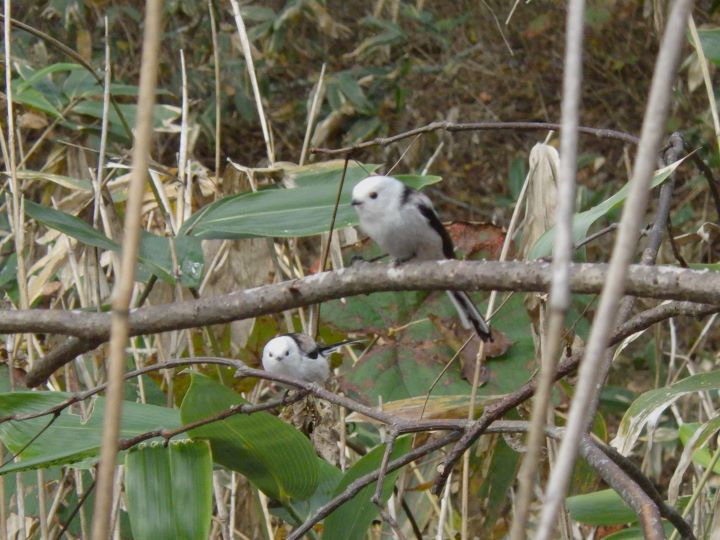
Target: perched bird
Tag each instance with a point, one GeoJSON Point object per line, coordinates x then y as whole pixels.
{"type": "Point", "coordinates": [298, 356]}
{"type": "Point", "coordinates": [403, 222]}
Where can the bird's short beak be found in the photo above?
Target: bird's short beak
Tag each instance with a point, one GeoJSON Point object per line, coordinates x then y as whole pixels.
{"type": "Point", "coordinates": [355, 202]}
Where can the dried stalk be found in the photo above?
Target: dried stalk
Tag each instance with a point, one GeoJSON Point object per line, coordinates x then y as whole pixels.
{"type": "Point", "coordinates": [559, 302]}
{"type": "Point", "coordinates": [581, 411]}
{"type": "Point", "coordinates": [124, 285]}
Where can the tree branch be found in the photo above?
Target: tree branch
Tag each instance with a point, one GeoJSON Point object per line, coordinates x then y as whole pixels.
{"type": "Point", "coordinates": [663, 282]}
{"type": "Point", "coordinates": [478, 126]}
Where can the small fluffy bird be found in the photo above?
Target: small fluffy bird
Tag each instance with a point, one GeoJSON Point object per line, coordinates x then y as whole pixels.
{"type": "Point", "coordinates": [404, 223]}
{"type": "Point", "coordinates": [299, 356]}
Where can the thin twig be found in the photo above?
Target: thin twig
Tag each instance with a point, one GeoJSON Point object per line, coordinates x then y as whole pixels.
{"type": "Point", "coordinates": [389, 446]}
{"type": "Point", "coordinates": [477, 126]}
{"type": "Point", "coordinates": [218, 86]}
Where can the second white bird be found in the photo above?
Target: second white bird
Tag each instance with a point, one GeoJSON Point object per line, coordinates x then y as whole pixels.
{"type": "Point", "coordinates": [299, 356]}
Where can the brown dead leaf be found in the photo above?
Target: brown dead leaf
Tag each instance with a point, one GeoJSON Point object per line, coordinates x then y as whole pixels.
{"type": "Point", "coordinates": [474, 238]}
{"type": "Point", "coordinates": [31, 120]}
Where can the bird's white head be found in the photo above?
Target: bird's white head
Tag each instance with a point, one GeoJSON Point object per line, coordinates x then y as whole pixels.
{"type": "Point", "coordinates": [279, 349]}
{"type": "Point", "coordinates": [376, 195]}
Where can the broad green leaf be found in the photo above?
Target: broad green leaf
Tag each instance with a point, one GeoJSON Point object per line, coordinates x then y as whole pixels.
{"type": "Point", "coordinates": [300, 211]}
{"type": "Point", "coordinates": [70, 438]}
{"type": "Point", "coordinates": [710, 41]}
{"type": "Point", "coordinates": [327, 173]}
{"type": "Point", "coordinates": [274, 456]}
{"type": "Point", "coordinates": [496, 484]}
{"type": "Point", "coordinates": [37, 100]}
{"type": "Point", "coordinates": [191, 260]}
{"type": "Point", "coordinates": [351, 520]}
{"type": "Point", "coordinates": [70, 225]}
{"type": "Point", "coordinates": [40, 74]}
{"type": "Point", "coordinates": [604, 507]}
{"type": "Point", "coordinates": [352, 91]}
{"type": "Point", "coordinates": [405, 364]}
{"type": "Point", "coordinates": [583, 220]}
{"type": "Point", "coordinates": [155, 255]}
{"type": "Point", "coordinates": [296, 512]}
{"type": "Point", "coordinates": [169, 490]}
{"type": "Point", "coordinates": [649, 406]}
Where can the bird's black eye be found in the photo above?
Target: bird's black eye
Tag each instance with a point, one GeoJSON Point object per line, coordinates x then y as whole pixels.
{"type": "Point", "coordinates": [287, 353]}
{"type": "Point", "coordinates": [270, 354]}
{"type": "Point", "coordinates": [373, 195]}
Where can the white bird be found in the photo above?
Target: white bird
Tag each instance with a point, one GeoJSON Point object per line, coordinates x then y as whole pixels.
{"type": "Point", "coordinates": [403, 222]}
{"type": "Point", "coordinates": [299, 356]}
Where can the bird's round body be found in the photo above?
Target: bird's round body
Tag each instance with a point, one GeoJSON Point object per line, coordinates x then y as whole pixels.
{"type": "Point", "coordinates": [403, 222]}
{"type": "Point", "coordinates": [397, 218]}
{"type": "Point", "coordinates": [296, 356]}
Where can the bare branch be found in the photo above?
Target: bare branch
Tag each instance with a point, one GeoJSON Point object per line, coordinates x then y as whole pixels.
{"type": "Point", "coordinates": [478, 126]}
{"type": "Point", "coordinates": [659, 282]}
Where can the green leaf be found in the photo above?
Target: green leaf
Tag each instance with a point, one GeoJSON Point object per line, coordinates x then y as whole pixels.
{"type": "Point", "coordinates": [702, 455]}
{"type": "Point", "coordinates": [275, 457]}
{"type": "Point", "coordinates": [8, 273]}
{"type": "Point", "coordinates": [583, 220]}
{"type": "Point", "coordinates": [296, 512]}
{"type": "Point", "coordinates": [154, 254]}
{"type": "Point", "coordinates": [650, 405]}
{"type": "Point", "coordinates": [70, 438]}
{"type": "Point", "coordinates": [64, 181]}
{"type": "Point", "coordinates": [37, 100]}
{"type": "Point", "coordinates": [604, 507]}
{"type": "Point", "coordinates": [301, 211]}
{"type": "Point", "coordinates": [710, 41]}
{"type": "Point", "coordinates": [496, 485]}
{"type": "Point", "coordinates": [351, 520]}
{"type": "Point", "coordinates": [405, 365]}
{"type": "Point", "coordinates": [352, 91]}
{"type": "Point", "coordinates": [169, 490]}
{"type": "Point", "coordinates": [70, 225]}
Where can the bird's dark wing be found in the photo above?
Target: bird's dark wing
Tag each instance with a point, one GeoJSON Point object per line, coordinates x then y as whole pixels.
{"type": "Point", "coordinates": [327, 349]}
{"type": "Point", "coordinates": [428, 213]}
{"type": "Point", "coordinates": [306, 344]}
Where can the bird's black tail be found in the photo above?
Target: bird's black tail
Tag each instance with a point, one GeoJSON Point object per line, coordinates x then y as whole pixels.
{"type": "Point", "coordinates": [327, 349]}
{"type": "Point", "coordinates": [470, 317]}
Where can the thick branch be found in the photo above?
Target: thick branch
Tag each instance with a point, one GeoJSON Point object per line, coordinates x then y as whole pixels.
{"type": "Point", "coordinates": [659, 282]}
{"type": "Point", "coordinates": [662, 282]}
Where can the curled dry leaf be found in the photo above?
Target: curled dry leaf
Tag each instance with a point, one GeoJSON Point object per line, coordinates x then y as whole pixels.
{"type": "Point", "coordinates": [474, 238]}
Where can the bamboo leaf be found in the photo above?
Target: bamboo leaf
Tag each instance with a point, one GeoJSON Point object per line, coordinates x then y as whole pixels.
{"type": "Point", "coordinates": [583, 220]}
{"type": "Point", "coordinates": [274, 456]}
{"type": "Point", "coordinates": [301, 211]}
{"type": "Point", "coordinates": [169, 490]}
{"type": "Point", "coordinates": [155, 255]}
{"type": "Point", "coordinates": [70, 438]}
{"type": "Point", "coordinates": [649, 406]}
{"type": "Point", "coordinates": [351, 520]}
